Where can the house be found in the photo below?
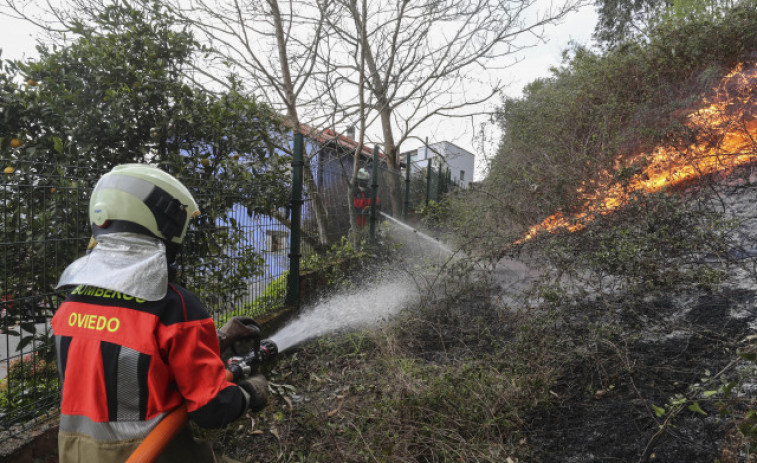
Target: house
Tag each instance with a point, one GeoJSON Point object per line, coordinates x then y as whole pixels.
{"type": "Point", "coordinates": [445, 155]}
{"type": "Point", "coordinates": [330, 156]}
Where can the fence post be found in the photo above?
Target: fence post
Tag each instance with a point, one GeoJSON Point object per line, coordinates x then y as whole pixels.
{"type": "Point", "coordinates": [428, 181]}
{"type": "Point", "coordinates": [407, 189]}
{"type": "Point", "coordinates": [293, 280]}
{"type": "Point", "coordinates": [374, 192]}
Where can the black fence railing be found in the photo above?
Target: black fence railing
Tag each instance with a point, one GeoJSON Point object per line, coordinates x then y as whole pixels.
{"type": "Point", "coordinates": [235, 257]}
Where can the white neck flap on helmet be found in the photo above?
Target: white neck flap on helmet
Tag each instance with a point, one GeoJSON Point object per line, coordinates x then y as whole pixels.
{"type": "Point", "coordinates": [129, 263]}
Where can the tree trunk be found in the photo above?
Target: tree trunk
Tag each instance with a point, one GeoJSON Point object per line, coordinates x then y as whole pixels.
{"type": "Point", "coordinates": [319, 210]}
{"type": "Point", "coordinates": [316, 201]}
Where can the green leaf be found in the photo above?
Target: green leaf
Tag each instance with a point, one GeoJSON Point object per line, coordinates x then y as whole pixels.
{"type": "Point", "coordinates": [697, 409]}
{"type": "Point", "coordinates": [58, 145]}
{"type": "Point", "coordinates": [25, 341]}
{"type": "Point", "coordinates": [659, 411]}
{"type": "Point", "coordinates": [28, 326]}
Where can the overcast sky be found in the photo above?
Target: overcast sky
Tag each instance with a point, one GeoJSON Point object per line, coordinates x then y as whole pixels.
{"type": "Point", "coordinates": [18, 38]}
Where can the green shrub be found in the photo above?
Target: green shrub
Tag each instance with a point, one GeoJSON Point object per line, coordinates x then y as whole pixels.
{"type": "Point", "coordinates": [434, 213]}
{"type": "Point", "coordinates": [657, 241]}
{"type": "Point", "coordinates": [271, 300]}
{"type": "Point", "coordinates": [29, 378]}
{"type": "Point", "coordinates": [336, 264]}
{"type": "Point", "coordinates": [569, 129]}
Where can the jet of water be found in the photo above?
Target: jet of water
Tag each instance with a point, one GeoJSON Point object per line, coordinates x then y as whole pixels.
{"type": "Point", "coordinates": [410, 229]}
{"type": "Point", "coordinates": [366, 307]}
{"type": "Point", "coordinates": [369, 306]}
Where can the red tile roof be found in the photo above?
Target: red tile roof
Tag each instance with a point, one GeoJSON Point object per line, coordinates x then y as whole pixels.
{"type": "Point", "coordinates": [329, 136]}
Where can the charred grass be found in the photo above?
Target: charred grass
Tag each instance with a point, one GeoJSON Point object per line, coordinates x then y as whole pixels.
{"type": "Point", "coordinates": [465, 380]}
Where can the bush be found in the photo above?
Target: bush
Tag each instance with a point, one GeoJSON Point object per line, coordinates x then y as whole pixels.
{"type": "Point", "coordinates": [656, 242]}
{"type": "Point", "coordinates": [569, 129]}
{"type": "Point", "coordinates": [336, 264]}
{"type": "Point", "coordinates": [29, 378]}
{"type": "Point", "coordinates": [434, 213]}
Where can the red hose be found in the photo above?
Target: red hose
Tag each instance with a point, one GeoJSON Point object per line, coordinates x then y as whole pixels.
{"type": "Point", "coordinates": [155, 442]}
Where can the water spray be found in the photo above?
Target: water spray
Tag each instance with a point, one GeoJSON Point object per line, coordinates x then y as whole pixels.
{"type": "Point", "coordinates": [407, 227]}
{"type": "Point", "coordinates": [370, 305]}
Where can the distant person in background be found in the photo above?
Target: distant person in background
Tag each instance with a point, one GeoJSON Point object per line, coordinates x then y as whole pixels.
{"type": "Point", "coordinates": [362, 199]}
{"type": "Point", "coordinates": [132, 346]}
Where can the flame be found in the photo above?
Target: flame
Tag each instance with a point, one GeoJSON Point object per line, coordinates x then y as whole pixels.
{"type": "Point", "coordinates": [726, 125]}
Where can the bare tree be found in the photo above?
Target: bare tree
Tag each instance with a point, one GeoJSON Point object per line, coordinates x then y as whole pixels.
{"type": "Point", "coordinates": [275, 49]}
{"type": "Point", "coordinates": [361, 139]}
{"type": "Point", "coordinates": [426, 59]}
{"type": "Point", "coordinates": [391, 64]}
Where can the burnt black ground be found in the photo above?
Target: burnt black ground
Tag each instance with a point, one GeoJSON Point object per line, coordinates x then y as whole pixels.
{"type": "Point", "coordinates": [666, 347]}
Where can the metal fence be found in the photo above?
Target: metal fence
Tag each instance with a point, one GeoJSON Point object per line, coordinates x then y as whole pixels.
{"type": "Point", "coordinates": [41, 231]}
{"type": "Point", "coordinates": [404, 193]}
{"type": "Point", "coordinates": [236, 260]}
{"type": "Point", "coordinates": [238, 257]}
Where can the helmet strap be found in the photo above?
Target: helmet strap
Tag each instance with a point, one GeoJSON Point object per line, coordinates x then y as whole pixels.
{"type": "Point", "coordinates": [172, 250]}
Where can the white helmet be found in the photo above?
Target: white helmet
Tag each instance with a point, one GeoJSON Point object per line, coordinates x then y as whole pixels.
{"type": "Point", "coordinates": [363, 175]}
{"type": "Point", "coordinates": [141, 199]}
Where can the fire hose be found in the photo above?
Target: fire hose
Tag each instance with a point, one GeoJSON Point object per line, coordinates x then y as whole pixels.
{"type": "Point", "coordinates": [238, 368]}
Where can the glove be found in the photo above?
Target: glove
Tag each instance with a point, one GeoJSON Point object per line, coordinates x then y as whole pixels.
{"type": "Point", "coordinates": [255, 390]}
{"type": "Point", "coordinates": [238, 337]}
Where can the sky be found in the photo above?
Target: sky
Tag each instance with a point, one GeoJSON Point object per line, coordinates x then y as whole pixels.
{"type": "Point", "coordinates": [18, 38]}
{"type": "Point", "coordinates": [533, 63]}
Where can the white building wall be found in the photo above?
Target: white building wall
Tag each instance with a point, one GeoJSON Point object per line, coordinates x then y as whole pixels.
{"type": "Point", "coordinates": [460, 162]}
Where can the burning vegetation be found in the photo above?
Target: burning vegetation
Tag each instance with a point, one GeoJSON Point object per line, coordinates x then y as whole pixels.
{"type": "Point", "coordinates": [722, 137]}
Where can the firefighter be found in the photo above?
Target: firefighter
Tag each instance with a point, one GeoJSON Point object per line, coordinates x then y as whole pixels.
{"type": "Point", "coordinates": [131, 345]}
{"type": "Point", "coordinates": [362, 199]}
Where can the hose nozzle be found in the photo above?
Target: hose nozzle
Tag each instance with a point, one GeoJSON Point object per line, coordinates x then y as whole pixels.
{"type": "Point", "coordinates": [268, 349]}
{"type": "Point", "coordinates": [242, 367]}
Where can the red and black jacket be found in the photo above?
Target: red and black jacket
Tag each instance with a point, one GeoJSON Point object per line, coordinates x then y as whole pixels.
{"type": "Point", "coordinates": [362, 201]}
{"type": "Point", "coordinates": [125, 363]}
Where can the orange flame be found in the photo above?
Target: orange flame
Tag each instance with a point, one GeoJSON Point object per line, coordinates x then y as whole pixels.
{"type": "Point", "coordinates": [727, 128]}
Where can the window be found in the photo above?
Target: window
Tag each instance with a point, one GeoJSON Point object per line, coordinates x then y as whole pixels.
{"type": "Point", "coordinates": [462, 175]}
